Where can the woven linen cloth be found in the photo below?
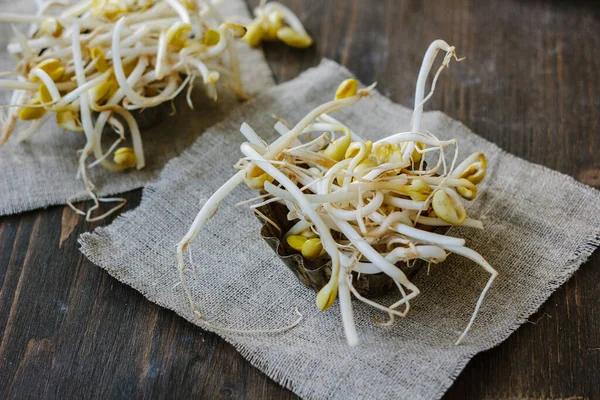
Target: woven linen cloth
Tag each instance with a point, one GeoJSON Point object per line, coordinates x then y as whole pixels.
{"type": "Point", "coordinates": [41, 171]}
{"type": "Point", "coordinates": [540, 226]}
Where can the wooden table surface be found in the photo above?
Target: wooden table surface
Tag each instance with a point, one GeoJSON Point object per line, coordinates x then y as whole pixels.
{"type": "Point", "coordinates": [529, 84]}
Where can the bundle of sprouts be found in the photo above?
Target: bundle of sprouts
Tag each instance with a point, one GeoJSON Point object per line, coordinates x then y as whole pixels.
{"type": "Point", "coordinates": [366, 206]}
{"type": "Point", "coordinates": [92, 64]}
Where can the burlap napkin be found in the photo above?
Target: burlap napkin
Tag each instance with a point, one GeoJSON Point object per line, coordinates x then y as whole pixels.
{"type": "Point", "coordinates": [540, 226]}
{"type": "Point", "coordinates": [41, 171]}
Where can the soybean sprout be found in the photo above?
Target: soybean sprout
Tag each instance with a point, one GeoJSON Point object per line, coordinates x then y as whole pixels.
{"type": "Point", "coordinates": [275, 21]}
{"type": "Point", "coordinates": [97, 64]}
{"type": "Point", "coordinates": [367, 207]}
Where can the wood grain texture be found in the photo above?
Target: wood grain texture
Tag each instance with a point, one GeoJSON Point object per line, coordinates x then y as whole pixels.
{"type": "Point", "coordinates": [529, 84]}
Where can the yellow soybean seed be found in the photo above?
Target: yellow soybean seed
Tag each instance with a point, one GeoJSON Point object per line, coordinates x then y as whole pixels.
{"type": "Point", "coordinates": [103, 91]}
{"type": "Point", "coordinates": [363, 168]}
{"type": "Point", "coordinates": [52, 67]}
{"type": "Point", "coordinates": [338, 148]}
{"type": "Point", "coordinates": [178, 34]}
{"type": "Point", "coordinates": [211, 37]}
{"type": "Point", "coordinates": [255, 178]}
{"type": "Point", "coordinates": [468, 191]}
{"type": "Point", "coordinates": [69, 120]}
{"type": "Point", "coordinates": [125, 157]}
{"type": "Point", "coordinates": [326, 296]}
{"type": "Point", "coordinates": [296, 241]}
{"type": "Point", "coordinates": [274, 22]}
{"type": "Point", "coordinates": [254, 34]}
{"type": "Point", "coordinates": [348, 88]}
{"type": "Point", "coordinates": [292, 38]}
{"type": "Point", "coordinates": [190, 4]}
{"type": "Point", "coordinates": [416, 156]}
{"type": "Point", "coordinates": [44, 94]}
{"type": "Point", "coordinates": [476, 171]}
{"type": "Point", "coordinates": [446, 210]}
{"type": "Point", "coordinates": [312, 248]}
{"type": "Point", "coordinates": [127, 69]}
{"type": "Point", "coordinates": [237, 30]}
{"type": "Point", "coordinates": [418, 190]}
{"type": "Point", "coordinates": [97, 54]}
{"type": "Point", "coordinates": [387, 152]}
{"type": "Point", "coordinates": [32, 113]}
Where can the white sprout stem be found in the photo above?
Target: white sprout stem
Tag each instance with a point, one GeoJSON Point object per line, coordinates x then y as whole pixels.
{"type": "Point", "coordinates": [86, 118]}
{"type": "Point", "coordinates": [218, 48]}
{"type": "Point", "coordinates": [76, 93]}
{"type": "Point", "coordinates": [161, 55]}
{"type": "Point", "coordinates": [288, 15]}
{"type": "Point", "coordinates": [430, 253]}
{"type": "Point", "coordinates": [168, 93]}
{"type": "Point", "coordinates": [76, 9]}
{"type": "Point", "coordinates": [469, 222]}
{"type": "Point", "coordinates": [346, 308]}
{"type": "Point", "coordinates": [206, 212]}
{"type": "Point", "coordinates": [374, 173]}
{"type": "Point", "coordinates": [404, 203]}
{"type": "Point", "coordinates": [282, 129]}
{"type": "Point", "coordinates": [377, 305]}
{"type": "Point", "coordinates": [286, 140]}
{"type": "Point", "coordinates": [329, 119]}
{"type": "Point", "coordinates": [202, 68]}
{"type": "Point", "coordinates": [29, 18]}
{"type": "Point", "coordinates": [50, 85]}
{"type": "Point", "coordinates": [251, 135]}
{"type": "Point", "coordinates": [9, 124]}
{"type": "Point", "coordinates": [352, 215]}
{"type": "Point", "coordinates": [180, 10]}
{"type": "Point", "coordinates": [372, 255]}
{"type": "Point", "coordinates": [362, 153]}
{"type": "Point", "coordinates": [105, 115]}
{"type": "Point", "coordinates": [18, 85]}
{"type": "Point", "coordinates": [120, 73]}
{"type": "Point", "coordinates": [433, 253]}
{"type": "Point", "coordinates": [326, 239]}
{"type": "Point", "coordinates": [414, 137]}
{"type": "Point", "coordinates": [460, 168]}
{"type": "Point", "coordinates": [312, 198]}
{"type": "Point", "coordinates": [26, 46]}
{"type": "Point", "coordinates": [136, 138]}
{"type": "Point", "coordinates": [476, 257]}
{"type": "Point", "coordinates": [421, 235]}
{"type": "Point", "coordinates": [298, 227]}
{"type": "Point", "coordinates": [105, 155]}
{"type": "Point", "coordinates": [426, 65]}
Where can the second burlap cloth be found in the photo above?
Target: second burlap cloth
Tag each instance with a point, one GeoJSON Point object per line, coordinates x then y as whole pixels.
{"type": "Point", "coordinates": [540, 226]}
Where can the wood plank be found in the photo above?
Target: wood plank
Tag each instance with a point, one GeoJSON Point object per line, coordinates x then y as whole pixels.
{"type": "Point", "coordinates": [529, 84]}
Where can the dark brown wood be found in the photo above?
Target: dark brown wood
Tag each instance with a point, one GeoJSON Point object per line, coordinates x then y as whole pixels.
{"type": "Point", "coordinates": [529, 84]}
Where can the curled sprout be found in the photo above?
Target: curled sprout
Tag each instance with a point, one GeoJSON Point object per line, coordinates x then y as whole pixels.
{"type": "Point", "coordinates": [109, 58]}
{"type": "Point", "coordinates": [274, 21]}
{"type": "Point", "coordinates": [368, 207]}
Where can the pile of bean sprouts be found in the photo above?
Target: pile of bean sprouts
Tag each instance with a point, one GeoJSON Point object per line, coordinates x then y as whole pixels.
{"type": "Point", "coordinates": [107, 58]}
{"type": "Point", "coordinates": [380, 197]}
